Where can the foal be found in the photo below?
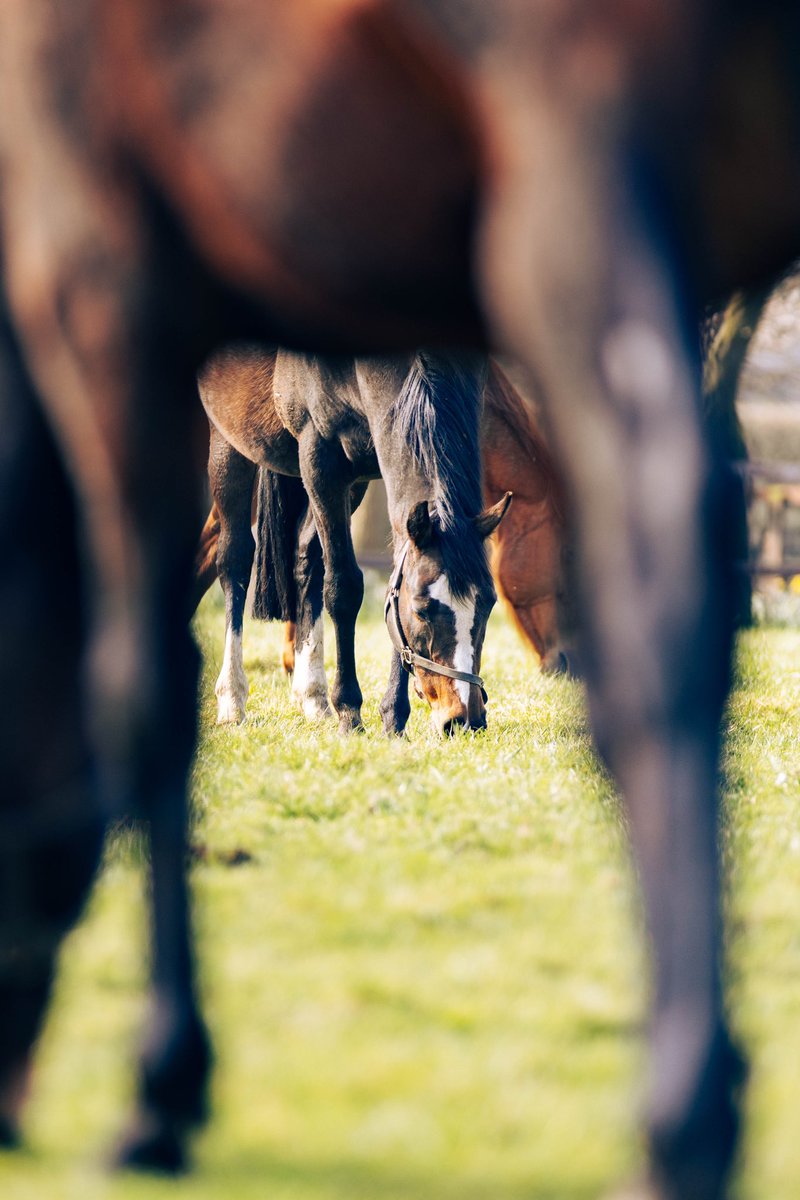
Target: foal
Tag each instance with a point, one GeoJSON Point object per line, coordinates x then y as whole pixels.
{"type": "Point", "coordinates": [337, 423]}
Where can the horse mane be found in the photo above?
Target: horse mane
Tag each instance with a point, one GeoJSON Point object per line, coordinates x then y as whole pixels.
{"type": "Point", "coordinates": [502, 397]}
{"type": "Point", "coordinates": [437, 414]}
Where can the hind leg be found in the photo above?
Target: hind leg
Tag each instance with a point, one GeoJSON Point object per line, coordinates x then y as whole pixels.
{"type": "Point", "coordinates": [309, 683]}
{"type": "Point", "coordinates": [114, 316]}
{"type": "Point", "coordinates": [232, 477]}
{"type": "Point", "coordinates": [604, 330]}
{"type": "Point", "coordinates": [52, 829]}
{"type": "Point", "coordinates": [156, 711]}
{"type": "Point", "coordinates": [140, 503]}
{"type": "Point", "coordinates": [324, 471]}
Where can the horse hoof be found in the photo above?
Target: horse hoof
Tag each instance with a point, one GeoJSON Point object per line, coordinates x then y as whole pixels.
{"type": "Point", "coordinates": [229, 711]}
{"type": "Point", "coordinates": [562, 662]}
{"type": "Point", "coordinates": [393, 730]}
{"type": "Point", "coordinates": [152, 1145]}
{"type": "Point", "coordinates": [640, 1189]}
{"type": "Point", "coordinates": [350, 722]}
{"type": "Point", "coordinates": [316, 708]}
{"type": "Point", "coordinates": [10, 1138]}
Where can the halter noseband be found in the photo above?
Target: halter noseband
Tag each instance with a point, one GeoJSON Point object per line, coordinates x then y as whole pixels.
{"type": "Point", "coordinates": [408, 657]}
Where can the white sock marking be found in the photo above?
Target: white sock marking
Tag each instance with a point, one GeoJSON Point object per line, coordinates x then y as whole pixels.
{"type": "Point", "coordinates": [309, 683]}
{"type": "Point", "coordinates": [231, 688]}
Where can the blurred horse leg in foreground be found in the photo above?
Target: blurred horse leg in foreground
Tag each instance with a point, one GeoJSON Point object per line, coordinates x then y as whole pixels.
{"type": "Point", "coordinates": [102, 761]}
{"type": "Point", "coordinates": [99, 292]}
{"type": "Point", "coordinates": [51, 827]}
{"type": "Point", "coordinates": [588, 285]}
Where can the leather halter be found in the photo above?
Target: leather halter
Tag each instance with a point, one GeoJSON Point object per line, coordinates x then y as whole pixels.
{"type": "Point", "coordinates": [409, 659]}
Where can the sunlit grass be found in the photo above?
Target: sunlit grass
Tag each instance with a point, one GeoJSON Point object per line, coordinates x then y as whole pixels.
{"type": "Point", "coordinates": [422, 960]}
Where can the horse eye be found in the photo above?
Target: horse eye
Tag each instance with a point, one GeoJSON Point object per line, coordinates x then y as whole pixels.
{"type": "Point", "coordinates": [421, 611]}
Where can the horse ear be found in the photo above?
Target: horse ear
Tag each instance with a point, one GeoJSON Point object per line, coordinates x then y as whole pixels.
{"type": "Point", "coordinates": [487, 521]}
{"type": "Point", "coordinates": [419, 525]}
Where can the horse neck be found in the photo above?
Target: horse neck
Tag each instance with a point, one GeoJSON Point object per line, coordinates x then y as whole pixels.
{"type": "Point", "coordinates": [425, 426]}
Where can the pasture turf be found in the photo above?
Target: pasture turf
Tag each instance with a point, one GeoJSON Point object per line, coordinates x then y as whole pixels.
{"type": "Point", "coordinates": [422, 961]}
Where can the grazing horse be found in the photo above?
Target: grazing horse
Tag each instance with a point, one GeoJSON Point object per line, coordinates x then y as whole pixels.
{"type": "Point", "coordinates": [567, 181]}
{"type": "Point", "coordinates": [239, 387]}
{"type": "Point", "coordinates": [337, 423]}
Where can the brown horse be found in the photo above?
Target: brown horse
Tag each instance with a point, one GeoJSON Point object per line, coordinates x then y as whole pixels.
{"type": "Point", "coordinates": [526, 545]}
{"type": "Point", "coordinates": [567, 181]}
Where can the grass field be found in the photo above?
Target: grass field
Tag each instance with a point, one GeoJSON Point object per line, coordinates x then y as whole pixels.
{"type": "Point", "coordinates": [422, 961]}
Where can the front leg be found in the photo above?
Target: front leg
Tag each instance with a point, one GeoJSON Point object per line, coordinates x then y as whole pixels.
{"type": "Point", "coordinates": [395, 706]}
{"type": "Point", "coordinates": [325, 472]}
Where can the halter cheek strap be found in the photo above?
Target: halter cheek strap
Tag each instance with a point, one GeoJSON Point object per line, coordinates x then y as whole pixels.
{"type": "Point", "coordinates": [409, 659]}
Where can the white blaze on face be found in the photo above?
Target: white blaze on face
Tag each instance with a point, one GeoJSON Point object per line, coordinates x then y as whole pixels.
{"type": "Point", "coordinates": [464, 611]}
{"type": "Point", "coordinates": [309, 684]}
{"type": "Point", "coordinates": [231, 688]}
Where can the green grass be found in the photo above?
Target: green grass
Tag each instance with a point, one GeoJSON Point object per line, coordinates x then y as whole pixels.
{"type": "Point", "coordinates": [422, 961]}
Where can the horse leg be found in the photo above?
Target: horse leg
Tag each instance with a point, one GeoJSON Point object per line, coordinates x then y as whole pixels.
{"type": "Point", "coordinates": [139, 502]}
{"type": "Point", "coordinates": [205, 563]}
{"type": "Point", "coordinates": [395, 707]}
{"type": "Point", "coordinates": [232, 477]}
{"type": "Point", "coordinates": [146, 724]}
{"type": "Point", "coordinates": [52, 826]}
{"type": "Point", "coordinates": [288, 648]}
{"type": "Point", "coordinates": [324, 470]}
{"type": "Point", "coordinates": [309, 684]}
{"type": "Point", "coordinates": [604, 330]}
{"type": "Point", "coordinates": [159, 712]}
{"type": "Point", "coordinates": [114, 315]}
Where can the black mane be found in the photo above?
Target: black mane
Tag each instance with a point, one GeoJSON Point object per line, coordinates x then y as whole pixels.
{"type": "Point", "coordinates": [438, 415]}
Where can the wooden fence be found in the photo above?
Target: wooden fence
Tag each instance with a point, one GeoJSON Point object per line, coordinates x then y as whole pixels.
{"type": "Point", "coordinates": [773, 518]}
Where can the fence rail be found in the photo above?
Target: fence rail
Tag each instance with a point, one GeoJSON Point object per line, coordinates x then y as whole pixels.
{"type": "Point", "coordinates": [773, 518]}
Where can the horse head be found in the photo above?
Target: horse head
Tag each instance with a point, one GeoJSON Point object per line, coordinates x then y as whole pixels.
{"type": "Point", "coordinates": [439, 600]}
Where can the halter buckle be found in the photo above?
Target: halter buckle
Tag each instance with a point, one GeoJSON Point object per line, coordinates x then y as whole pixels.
{"type": "Point", "coordinates": [407, 655]}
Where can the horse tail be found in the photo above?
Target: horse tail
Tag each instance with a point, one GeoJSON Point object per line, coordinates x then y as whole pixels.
{"type": "Point", "coordinates": [205, 559]}
{"type": "Point", "coordinates": [282, 501]}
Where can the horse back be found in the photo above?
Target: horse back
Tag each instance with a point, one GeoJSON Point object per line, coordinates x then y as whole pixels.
{"type": "Point", "coordinates": [341, 117]}
{"type": "Point", "coordinates": [237, 390]}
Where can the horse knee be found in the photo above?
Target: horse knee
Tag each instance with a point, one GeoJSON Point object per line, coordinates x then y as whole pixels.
{"type": "Point", "coordinates": [235, 562]}
{"type": "Point", "coordinates": [343, 596]}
